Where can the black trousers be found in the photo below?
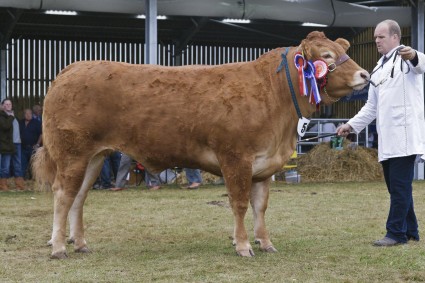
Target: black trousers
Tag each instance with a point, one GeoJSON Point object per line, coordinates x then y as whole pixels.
{"type": "Point", "coordinates": [401, 222]}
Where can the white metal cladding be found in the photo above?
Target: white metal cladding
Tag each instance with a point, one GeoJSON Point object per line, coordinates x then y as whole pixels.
{"type": "Point", "coordinates": [32, 64]}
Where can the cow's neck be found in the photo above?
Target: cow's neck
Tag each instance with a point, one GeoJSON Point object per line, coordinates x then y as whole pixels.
{"type": "Point", "coordinates": [306, 109]}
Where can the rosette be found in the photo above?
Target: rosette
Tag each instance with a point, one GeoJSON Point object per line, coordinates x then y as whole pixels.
{"type": "Point", "coordinates": [300, 64]}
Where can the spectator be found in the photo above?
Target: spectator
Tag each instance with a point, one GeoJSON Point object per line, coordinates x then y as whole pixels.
{"type": "Point", "coordinates": [15, 157]}
{"type": "Point", "coordinates": [194, 178]}
{"type": "Point", "coordinates": [31, 139]}
{"type": "Point", "coordinates": [7, 148]}
{"type": "Point", "coordinates": [396, 93]}
{"type": "Point", "coordinates": [152, 180]}
{"type": "Point", "coordinates": [123, 169]}
{"type": "Point", "coordinates": [37, 112]}
{"type": "Point", "coordinates": [111, 162]}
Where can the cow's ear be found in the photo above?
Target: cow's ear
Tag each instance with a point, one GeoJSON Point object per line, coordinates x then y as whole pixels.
{"type": "Point", "coordinates": [344, 43]}
{"type": "Point", "coordinates": [305, 46]}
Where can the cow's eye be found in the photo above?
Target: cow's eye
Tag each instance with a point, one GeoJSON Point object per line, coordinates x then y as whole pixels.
{"type": "Point", "coordinates": [327, 56]}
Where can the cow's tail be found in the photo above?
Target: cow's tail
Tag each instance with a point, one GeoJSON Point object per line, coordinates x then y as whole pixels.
{"type": "Point", "coordinates": [43, 168]}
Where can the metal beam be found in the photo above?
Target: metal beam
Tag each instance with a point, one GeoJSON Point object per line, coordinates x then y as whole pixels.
{"type": "Point", "coordinates": [418, 25]}
{"type": "Point", "coordinates": [418, 44]}
{"type": "Point", "coordinates": [151, 32]}
{"type": "Point", "coordinates": [186, 37]}
{"type": "Point", "coordinates": [6, 32]}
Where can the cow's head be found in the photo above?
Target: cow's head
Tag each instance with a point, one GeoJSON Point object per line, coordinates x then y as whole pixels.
{"type": "Point", "coordinates": [346, 75]}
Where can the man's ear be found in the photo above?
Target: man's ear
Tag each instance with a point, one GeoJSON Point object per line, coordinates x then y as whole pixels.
{"type": "Point", "coordinates": [344, 43]}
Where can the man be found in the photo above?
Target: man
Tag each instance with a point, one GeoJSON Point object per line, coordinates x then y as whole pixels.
{"type": "Point", "coordinates": [7, 147]}
{"type": "Point", "coordinates": [396, 100]}
{"type": "Point", "coordinates": [30, 137]}
{"type": "Point", "coordinates": [15, 158]}
{"type": "Point", "coordinates": [37, 112]}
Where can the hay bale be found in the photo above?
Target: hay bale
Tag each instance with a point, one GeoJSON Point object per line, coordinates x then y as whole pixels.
{"type": "Point", "coordinates": [207, 178]}
{"type": "Point", "coordinates": [324, 164]}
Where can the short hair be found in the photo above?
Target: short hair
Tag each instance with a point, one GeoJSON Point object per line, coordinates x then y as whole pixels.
{"type": "Point", "coordinates": [393, 27]}
{"type": "Point", "coordinates": [4, 100]}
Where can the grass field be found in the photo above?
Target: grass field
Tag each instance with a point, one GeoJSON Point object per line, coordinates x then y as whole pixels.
{"type": "Point", "coordinates": [323, 233]}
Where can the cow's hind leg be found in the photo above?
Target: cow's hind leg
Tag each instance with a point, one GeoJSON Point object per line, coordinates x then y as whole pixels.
{"type": "Point", "coordinates": [76, 225]}
{"type": "Point", "coordinates": [65, 188]}
{"type": "Point", "coordinates": [238, 175]}
{"type": "Point", "coordinates": [259, 200]}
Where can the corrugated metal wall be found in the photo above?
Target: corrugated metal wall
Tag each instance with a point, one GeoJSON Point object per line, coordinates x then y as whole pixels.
{"type": "Point", "coordinates": [33, 64]}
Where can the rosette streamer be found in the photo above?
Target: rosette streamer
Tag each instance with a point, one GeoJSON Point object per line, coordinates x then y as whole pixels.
{"type": "Point", "coordinates": [309, 74]}
{"type": "Point", "coordinates": [300, 64]}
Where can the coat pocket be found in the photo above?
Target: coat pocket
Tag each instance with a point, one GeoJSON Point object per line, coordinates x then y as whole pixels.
{"type": "Point", "coordinates": [401, 115]}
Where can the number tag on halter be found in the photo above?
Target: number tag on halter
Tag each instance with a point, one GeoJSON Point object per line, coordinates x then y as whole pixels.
{"type": "Point", "coordinates": [302, 126]}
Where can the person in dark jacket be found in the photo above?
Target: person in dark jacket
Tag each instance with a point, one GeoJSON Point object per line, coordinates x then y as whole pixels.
{"type": "Point", "coordinates": [30, 139]}
{"type": "Point", "coordinates": [6, 142]}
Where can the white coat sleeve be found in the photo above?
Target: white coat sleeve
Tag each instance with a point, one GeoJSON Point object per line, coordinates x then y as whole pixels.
{"type": "Point", "coordinates": [367, 114]}
{"type": "Point", "coordinates": [420, 67]}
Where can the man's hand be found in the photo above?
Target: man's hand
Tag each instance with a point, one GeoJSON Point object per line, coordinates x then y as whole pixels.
{"type": "Point", "coordinates": [344, 130]}
{"type": "Point", "coordinates": [407, 53]}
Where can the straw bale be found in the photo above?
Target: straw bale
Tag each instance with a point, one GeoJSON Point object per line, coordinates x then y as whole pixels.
{"type": "Point", "coordinates": [324, 164]}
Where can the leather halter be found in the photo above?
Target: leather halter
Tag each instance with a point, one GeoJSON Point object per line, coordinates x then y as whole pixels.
{"type": "Point", "coordinates": [341, 59]}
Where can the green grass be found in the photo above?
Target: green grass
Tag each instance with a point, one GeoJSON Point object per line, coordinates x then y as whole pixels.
{"type": "Point", "coordinates": [323, 233]}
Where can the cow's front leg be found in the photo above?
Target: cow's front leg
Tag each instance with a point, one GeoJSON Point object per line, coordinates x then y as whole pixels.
{"type": "Point", "coordinates": [238, 176]}
{"type": "Point", "coordinates": [259, 200]}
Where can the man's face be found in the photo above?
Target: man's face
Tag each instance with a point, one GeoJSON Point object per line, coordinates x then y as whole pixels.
{"type": "Point", "coordinates": [384, 41]}
{"type": "Point", "coordinates": [7, 105]}
{"type": "Point", "coordinates": [37, 110]}
{"type": "Point", "coordinates": [28, 115]}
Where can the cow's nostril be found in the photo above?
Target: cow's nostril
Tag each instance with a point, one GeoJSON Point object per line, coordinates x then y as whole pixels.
{"type": "Point", "coordinates": [365, 75]}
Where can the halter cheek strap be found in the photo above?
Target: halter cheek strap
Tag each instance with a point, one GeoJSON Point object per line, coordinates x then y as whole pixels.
{"type": "Point", "coordinates": [341, 59]}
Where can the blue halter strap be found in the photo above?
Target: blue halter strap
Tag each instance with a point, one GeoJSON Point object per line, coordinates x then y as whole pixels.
{"type": "Point", "coordinates": [284, 63]}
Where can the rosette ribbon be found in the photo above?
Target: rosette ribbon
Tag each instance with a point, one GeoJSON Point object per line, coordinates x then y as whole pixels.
{"type": "Point", "coordinates": [300, 64]}
{"type": "Point", "coordinates": [309, 74]}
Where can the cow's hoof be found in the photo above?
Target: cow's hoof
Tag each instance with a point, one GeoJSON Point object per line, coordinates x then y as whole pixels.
{"type": "Point", "coordinates": [269, 249]}
{"type": "Point", "coordinates": [84, 250]}
{"type": "Point", "coordinates": [50, 243]}
{"type": "Point", "coordinates": [246, 253]}
{"type": "Point", "coordinates": [59, 255]}
{"type": "Point", "coordinates": [70, 241]}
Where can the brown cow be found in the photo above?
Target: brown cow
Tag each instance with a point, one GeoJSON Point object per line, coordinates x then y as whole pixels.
{"type": "Point", "coordinates": [236, 120]}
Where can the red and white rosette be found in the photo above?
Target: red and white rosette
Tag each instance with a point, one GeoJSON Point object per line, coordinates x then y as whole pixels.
{"type": "Point", "coordinates": [300, 64]}
{"type": "Point", "coordinates": [321, 69]}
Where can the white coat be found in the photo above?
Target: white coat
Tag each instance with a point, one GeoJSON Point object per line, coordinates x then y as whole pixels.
{"type": "Point", "coordinates": [398, 105]}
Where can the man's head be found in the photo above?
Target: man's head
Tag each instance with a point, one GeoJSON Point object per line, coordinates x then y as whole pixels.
{"type": "Point", "coordinates": [387, 36]}
{"type": "Point", "coordinates": [37, 110]}
{"type": "Point", "coordinates": [27, 114]}
{"type": "Point", "coordinates": [7, 105]}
